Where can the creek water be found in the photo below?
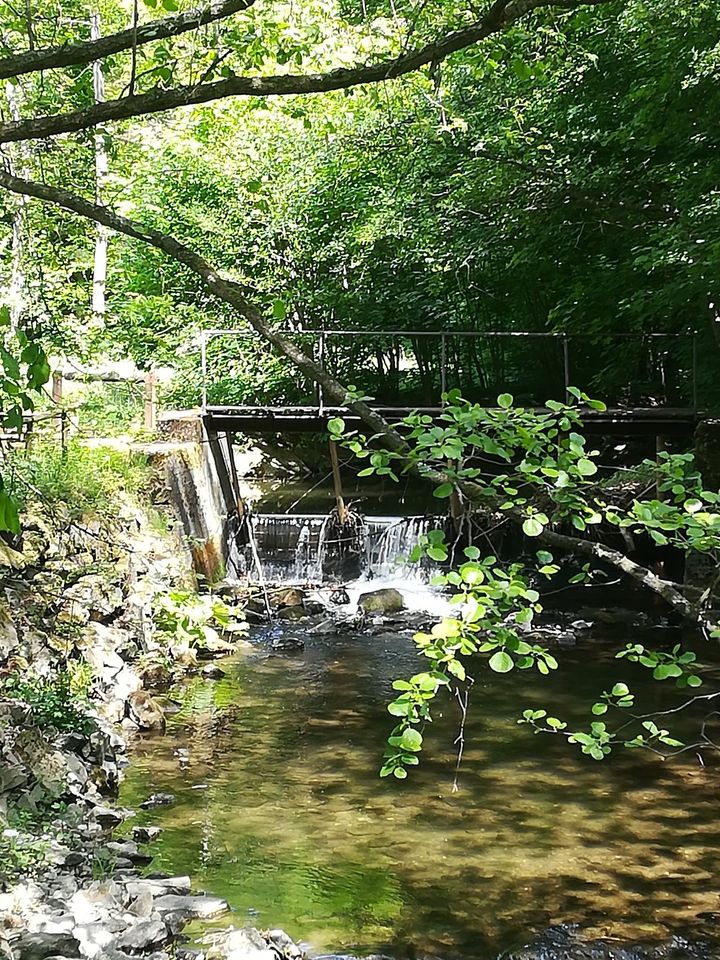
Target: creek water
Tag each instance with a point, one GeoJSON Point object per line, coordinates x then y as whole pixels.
{"type": "Point", "coordinates": [279, 808]}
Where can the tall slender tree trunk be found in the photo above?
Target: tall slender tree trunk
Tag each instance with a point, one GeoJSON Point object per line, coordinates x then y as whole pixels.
{"type": "Point", "coordinates": [101, 173]}
{"type": "Point", "coordinates": [18, 160]}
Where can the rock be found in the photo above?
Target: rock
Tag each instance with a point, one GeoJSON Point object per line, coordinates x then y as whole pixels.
{"type": "Point", "coordinates": [292, 597]}
{"type": "Point", "coordinates": [8, 635]}
{"type": "Point", "coordinates": [158, 800]}
{"type": "Point", "coordinates": [145, 834]}
{"type": "Point", "coordinates": [190, 906]}
{"type": "Point", "coordinates": [213, 672]}
{"type": "Point", "coordinates": [146, 712]}
{"type": "Point", "coordinates": [159, 887]}
{"type": "Point", "coordinates": [109, 816]}
{"type": "Point", "coordinates": [41, 946]}
{"type": "Point", "coordinates": [383, 601]}
{"type": "Point", "coordinates": [246, 944]}
{"type": "Point", "coordinates": [288, 643]}
{"type": "Point", "coordinates": [315, 608]}
{"type": "Point", "coordinates": [292, 613]}
{"type": "Point", "coordinates": [142, 936]}
{"type": "Point", "coordinates": [340, 596]}
{"type": "Point", "coordinates": [285, 944]}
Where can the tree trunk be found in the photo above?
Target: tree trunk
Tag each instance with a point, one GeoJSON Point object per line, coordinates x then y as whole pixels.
{"type": "Point", "coordinates": [101, 172]}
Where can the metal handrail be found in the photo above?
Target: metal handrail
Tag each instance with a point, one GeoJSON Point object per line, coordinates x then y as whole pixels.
{"type": "Point", "coordinates": [563, 337]}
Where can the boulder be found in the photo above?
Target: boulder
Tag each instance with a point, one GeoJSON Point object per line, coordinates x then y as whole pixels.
{"type": "Point", "coordinates": [292, 613]}
{"type": "Point", "coordinates": [142, 936]}
{"type": "Point", "coordinates": [144, 711]}
{"type": "Point", "coordinates": [291, 597]}
{"type": "Point", "coordinates": [246, 944]}
{"type": "Point", "coordinates": [41, 946]}
{"type": "Point", "coordinates": [383, 601]}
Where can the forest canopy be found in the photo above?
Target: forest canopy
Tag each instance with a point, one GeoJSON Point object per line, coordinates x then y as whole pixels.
{"type": "Point", "coordinates": [559, 174]}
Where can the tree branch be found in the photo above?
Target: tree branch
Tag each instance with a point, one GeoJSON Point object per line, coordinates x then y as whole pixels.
{"type": "Point", "coordinates": [76, 54]}
{"type": "Point", "coordinates": [234, 295]}
{"type": "Point", "coordinates": [501, 14]}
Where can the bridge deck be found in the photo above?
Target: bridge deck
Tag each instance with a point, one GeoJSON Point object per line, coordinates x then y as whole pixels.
{"type": "Point", "coordinates": [624, 422]}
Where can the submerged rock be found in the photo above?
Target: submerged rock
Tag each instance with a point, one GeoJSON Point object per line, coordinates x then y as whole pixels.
{"type": "Point", "coordinates": [158, 800]}
{"type": "Point", "coordinates": [383, 601]}
{"type": "Point", "coordinates": [567, 943]}
{"type": "Point", "coordinates": [292, 597]}
{"type": "Point", "coordinates": [144, 711]}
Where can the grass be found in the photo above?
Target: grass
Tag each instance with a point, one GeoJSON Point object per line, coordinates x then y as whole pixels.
{"type": "Point", "coordinates": [85, 479]}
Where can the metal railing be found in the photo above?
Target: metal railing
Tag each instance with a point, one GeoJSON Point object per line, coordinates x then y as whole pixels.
{"type": "Point", "coordinates": [320, 339]}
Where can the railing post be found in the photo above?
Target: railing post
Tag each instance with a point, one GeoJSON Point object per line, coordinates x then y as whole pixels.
{"type": "Point", "coordinates": [203, 367]}
{"type": "Point", "coordinates": [566, 366]}
{"type": "Point", "coordinates": [443, 364]}
{"type": "Point", "coordinates": [321, 364]}
{"type": "Point", "coordinates": [57, 386]}
{"type": "Point", "coordinates": [150, 401]}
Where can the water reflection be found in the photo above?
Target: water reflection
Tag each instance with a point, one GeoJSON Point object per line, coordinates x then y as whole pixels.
{"type": "Point", "coordinates": [280, 810]}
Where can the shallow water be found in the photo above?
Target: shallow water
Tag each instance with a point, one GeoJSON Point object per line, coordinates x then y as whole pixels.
{"type": "Point", "coordinates": [279, 808]}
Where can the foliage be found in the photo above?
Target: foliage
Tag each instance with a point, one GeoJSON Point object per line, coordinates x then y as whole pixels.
{"type": "Point", "coordinates": [84, 478]}
{"type": "Point", "coordinates": [194, 619]}
{"type": "Point", "coordinates": [535, 468]}
{"type": "Point", "coordinates": [59, 701]}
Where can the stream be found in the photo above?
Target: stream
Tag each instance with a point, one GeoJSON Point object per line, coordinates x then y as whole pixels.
{"type": "Point", "coordinates": [279, 808]}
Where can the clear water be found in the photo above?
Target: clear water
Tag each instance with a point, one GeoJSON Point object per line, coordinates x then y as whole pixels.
{"type": "Point", "coordinates": [279, 808]}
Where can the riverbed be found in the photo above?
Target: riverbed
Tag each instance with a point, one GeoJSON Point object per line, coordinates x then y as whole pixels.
{"type": "Point", "coordinates": [279, 808]}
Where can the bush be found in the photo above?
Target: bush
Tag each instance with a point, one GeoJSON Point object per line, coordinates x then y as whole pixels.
{"type": "Point", "coordinates": [59, 702]}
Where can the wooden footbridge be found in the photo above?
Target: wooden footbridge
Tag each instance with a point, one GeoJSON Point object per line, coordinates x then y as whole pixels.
{"type": "Point", "coordinates": [409, 370]}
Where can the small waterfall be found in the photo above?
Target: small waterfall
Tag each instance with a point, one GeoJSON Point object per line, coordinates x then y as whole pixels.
{"type": "Point", "coordinates": [292, 547]}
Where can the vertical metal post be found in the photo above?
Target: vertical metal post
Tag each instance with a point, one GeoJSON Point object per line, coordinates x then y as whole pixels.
{"type": "Point", "coordinates": [203, 366]}
{"type": "Point", "coordinates": [321, 364]}
{"type": "Point", "coordinates": [694, 372]}
{"type": "Point", "coordinates": [443, 364]}
{"type": "Point", "coordinates": [150, 401]}
{"type": "Point", "coordinates": [57, 386]}
{"type": "Point", "coordinates": [566, 366]}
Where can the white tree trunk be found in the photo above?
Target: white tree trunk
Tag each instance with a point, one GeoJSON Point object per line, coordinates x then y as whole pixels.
{"type": "Point", "coordinates": [19, 162]}
{"type": "Point", "coordinates": [101, 172]}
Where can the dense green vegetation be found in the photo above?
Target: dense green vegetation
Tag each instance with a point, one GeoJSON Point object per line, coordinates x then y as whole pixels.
{"type": "Point", "coordinates": [544, 168]}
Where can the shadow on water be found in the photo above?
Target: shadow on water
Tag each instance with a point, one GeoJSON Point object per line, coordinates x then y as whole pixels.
{"type": "Point", "coordinates": [279, 808]}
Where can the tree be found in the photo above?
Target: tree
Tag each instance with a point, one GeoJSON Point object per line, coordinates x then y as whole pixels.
{"type": "Point", "coordinates": [498, 17]}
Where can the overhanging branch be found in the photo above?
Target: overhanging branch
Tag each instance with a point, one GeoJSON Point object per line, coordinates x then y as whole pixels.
{"type": "Point", "coordinates": [499, 15]}
{"type": "Point", "coordinates": [77, 54]}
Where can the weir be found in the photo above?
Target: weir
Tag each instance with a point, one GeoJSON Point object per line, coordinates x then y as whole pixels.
{"type": "Point", "coordinates": [297, 548]}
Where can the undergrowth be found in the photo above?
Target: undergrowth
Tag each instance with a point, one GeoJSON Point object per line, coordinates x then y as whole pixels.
{"type": "Point", "coordinates": [86, 479]}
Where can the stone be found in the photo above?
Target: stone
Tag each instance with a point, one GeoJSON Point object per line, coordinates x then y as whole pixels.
{"type": "Point", "coordinates": [383, 601]}
{"type": "Point", "coordinates": [142, 936]}
{"type": "Point", "coordinates": [158, 800]}
{"type": "Point", "coordinates": [340, 597]}
{"type": "Point", "coordinates": [245, 944]}
{"type": "Point", "coordinates": [199, 906]}
{"type": "Point", "coordinates": [288, 643]}
{"type": "Point", "coordinates": [292, 597]}
{"type": "Point", "coordinates": [292, 613]}
{"type": "Point", "coordinates": [213, 672]}
{"type": "Point", "coordinates": [145, 834]}
{"type": "Point", "coordinates": [145, 711]}
{"type": "Point", "coordinates": [42, 946]}
{"type": "Point", "coordinates": [159, 887]}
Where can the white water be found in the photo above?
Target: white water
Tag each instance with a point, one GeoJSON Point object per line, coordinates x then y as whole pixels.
{"type": "Point", "coordinates": [290, 546]}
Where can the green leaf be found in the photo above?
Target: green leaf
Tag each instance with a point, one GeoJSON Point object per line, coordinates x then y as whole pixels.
{"type": "Point", "coordinates": [501, 662]}
{"type": "Point", "coordinates": [505, 400]}
{"type": "Point", "coordinates": [586, 468]}
{"type": "Point", "coordinates": [443, 491]}
{"type": "Point", "coordinates": [336, 426]}
{"type": "Point", "coordinates": [411, 739]}
{"type": "Point", "coordinates": [532, 527]}
{"type": "Point", "coordinates": [439, 554]}
{"type": "Point", "coordinates": [279, 309]}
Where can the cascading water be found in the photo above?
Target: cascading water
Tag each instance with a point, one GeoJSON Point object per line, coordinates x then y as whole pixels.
{"type": "Point", "coordinates": [293, 548]}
